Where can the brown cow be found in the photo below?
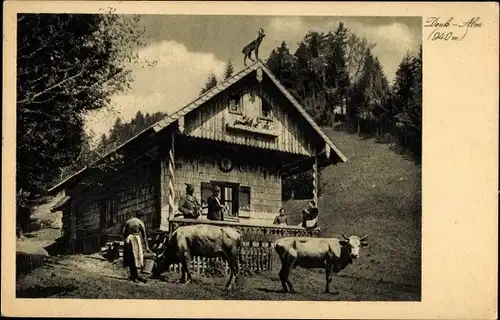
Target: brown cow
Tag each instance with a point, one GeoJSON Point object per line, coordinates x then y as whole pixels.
{"type": "Point", "coordinates": [330, 253]}
{"type": "Point", "coordinates": [204, 241]}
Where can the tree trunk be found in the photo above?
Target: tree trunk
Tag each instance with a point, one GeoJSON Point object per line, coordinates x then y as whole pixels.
{"type": "Point", "coordinates": [23, 218]}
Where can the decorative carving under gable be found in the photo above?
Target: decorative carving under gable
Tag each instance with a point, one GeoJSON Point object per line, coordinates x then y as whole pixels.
{"type": "Point", "coordinates": [253, 125]}
{"type": "Point", "coordinates": [259, 74]}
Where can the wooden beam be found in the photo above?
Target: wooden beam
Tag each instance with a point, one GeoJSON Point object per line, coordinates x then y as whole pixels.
{"type": "Point", "coordinates": [171, 177]}
{"type": "Point", "coordinates": [167, 184]}
{"type": "Point", "coordinates": [164, 225]}
{"type": "Point", "coordinates": [305, 165]}
{"type": "Point", "coordinates": [181, 124]}
{"type": "Point", "coordinates": [315, 179]}
{"type": "Point", "coordinates": [316, 182]}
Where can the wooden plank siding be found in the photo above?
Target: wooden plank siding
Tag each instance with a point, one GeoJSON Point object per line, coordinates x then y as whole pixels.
{"type": "Point", "coordinates": [209, 120]}
{"type": "Point", "coordinates": [194, 165]}
{"type": "Point", "coordinates": [134, 189]}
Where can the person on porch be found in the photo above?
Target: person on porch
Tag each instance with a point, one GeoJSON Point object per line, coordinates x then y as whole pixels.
{"type": "Point", "coordinates": [189, 206]}
{"type": "Point", "coordinates": [215, 207]}
{"type": "Point", "coordinates": [136, 243]}
{"type": "Point", "coordinates": [281, 219]}
{"type": "Point", "coordinates": [310, 216]}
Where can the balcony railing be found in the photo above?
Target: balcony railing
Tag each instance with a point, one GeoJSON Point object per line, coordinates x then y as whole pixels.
{"type": "Point", "coordinates": [253, 232]}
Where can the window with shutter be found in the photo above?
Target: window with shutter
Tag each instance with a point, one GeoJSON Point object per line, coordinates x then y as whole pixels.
{"type": "Point", "coordinates": [267, 110]}
{"type": "Point", "coordinates": [232, 195]}
{"type": "Point", "coordinates": [107, 213]}
{"type": "Point", "coordinates": [244, 198]}
{"type": "Point", "coordinates": [235, 104]}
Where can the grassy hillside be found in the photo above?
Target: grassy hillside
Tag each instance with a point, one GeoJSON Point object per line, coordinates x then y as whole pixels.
{"type": "Point", "coordinates": [376, 192]}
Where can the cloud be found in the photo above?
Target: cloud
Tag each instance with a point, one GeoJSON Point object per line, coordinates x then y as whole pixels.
{"type": "Point", "coordinates": [393, 41]}
{"type": "Point", "coordinates": [289, 29]}
{"type": "Point", "coordinates": [175, 80]}
{"type": "Point", "coordinates": [286, 24]}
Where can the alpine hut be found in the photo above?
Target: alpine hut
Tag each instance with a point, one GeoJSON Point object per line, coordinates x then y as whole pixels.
{"type": "Point", "coordinates": [244, 135]}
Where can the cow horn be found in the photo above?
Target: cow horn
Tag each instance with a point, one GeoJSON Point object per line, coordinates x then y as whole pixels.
{"type": "Point", "coordinates": [261, 30]}
{"type": "Point", "coordinates": [345, 237]}
{"type": "Point", "coordinates": [364, 237]}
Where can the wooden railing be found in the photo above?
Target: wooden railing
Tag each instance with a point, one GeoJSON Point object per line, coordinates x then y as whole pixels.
{"type": "Point", "coordinates": [257, 254]}
{"type": "Point", "coordinates": [252, 232]}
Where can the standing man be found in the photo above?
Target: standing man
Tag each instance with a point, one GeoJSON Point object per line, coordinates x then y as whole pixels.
{"type": "Point", "coordinates": [215, 207]}
{"type": "Point", "coordinates": [188, 205]}
{"type": "Point", "coordinates": [136, 242]}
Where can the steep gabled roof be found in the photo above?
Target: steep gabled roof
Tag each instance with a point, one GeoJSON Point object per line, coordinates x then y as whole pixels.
{"type": "Point", "coordinates": [200, 100]}
{"type": "Point", "coordinates": [304, 113]}
{"type": "Point", "coordinates": [222, 86]}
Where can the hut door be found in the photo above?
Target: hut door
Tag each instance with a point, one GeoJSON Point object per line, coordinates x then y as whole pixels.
{"type": "Point", "coordinates": [229, 196]}
{"type": "Point", "coordinates": [102, 213]}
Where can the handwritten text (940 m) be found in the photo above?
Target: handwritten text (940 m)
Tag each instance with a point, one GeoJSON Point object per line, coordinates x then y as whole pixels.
{"type": "Point", "coordinates": [447, 35]}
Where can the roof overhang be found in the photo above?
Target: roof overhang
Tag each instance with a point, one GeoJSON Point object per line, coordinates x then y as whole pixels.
{"type": "Point", "coordinates": [307, 164]}
{"type": "Point", "coordinates": [78, 175]}
{"type": "Point", "coordinates": [60, 204]}
{"type": "Point", "coordinates": [303, 112]}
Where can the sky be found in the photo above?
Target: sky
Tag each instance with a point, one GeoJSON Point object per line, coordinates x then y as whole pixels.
{"type": "Point", "coordinates": [187, 48]}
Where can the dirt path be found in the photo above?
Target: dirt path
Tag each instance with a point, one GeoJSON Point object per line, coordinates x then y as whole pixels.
{"type": "Point", "coordinates": [93, 277]}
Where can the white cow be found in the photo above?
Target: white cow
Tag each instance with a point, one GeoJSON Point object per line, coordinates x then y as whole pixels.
{"type": "Point", "coordinates": [332, 254]}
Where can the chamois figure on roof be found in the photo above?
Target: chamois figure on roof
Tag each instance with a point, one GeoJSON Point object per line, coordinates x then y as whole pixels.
{"type": "Point", "coordinates": [253, 46]}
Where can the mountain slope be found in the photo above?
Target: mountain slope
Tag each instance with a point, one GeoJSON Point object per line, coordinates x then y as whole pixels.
{"type": "Point", "coordinates": [376, 192]}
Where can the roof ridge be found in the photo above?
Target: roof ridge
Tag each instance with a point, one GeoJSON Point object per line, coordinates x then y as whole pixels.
{"type": "Point", "coordinates": [304, 113]}
{"type": "Point", "coordinates": [209, 92]}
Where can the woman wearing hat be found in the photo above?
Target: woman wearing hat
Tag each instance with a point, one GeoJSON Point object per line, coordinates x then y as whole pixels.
{"type": "Point", "coordinates": [215, 207]}
{"type": "Point", "coordinates": [188, 205]}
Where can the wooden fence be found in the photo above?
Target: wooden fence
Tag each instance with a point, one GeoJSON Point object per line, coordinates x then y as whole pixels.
{"type": "Point", "coordinates": [256, 255]}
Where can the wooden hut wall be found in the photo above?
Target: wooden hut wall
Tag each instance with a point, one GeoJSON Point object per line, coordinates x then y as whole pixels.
{"type": "Point", "coordinates": [194, 166]}
{"type": "Point", "coordinates": [210, 120]}
{"type": "Point", "coordinates": [134, 189]}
